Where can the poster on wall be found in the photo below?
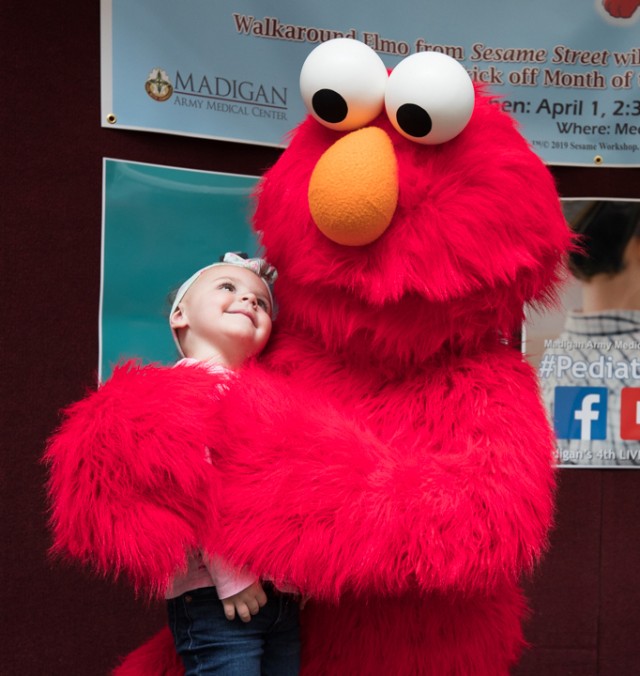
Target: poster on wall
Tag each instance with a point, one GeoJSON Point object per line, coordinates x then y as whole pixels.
{"type": "Point", "coordinates": [587, 353]}
{"type": "Point", "coordinates": [569, 71]}
{"type": "Point", "coordinates": [159, 225]}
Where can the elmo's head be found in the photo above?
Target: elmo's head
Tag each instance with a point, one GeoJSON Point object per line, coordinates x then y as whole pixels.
{"type": "Point", "coordinates": [407, 212]}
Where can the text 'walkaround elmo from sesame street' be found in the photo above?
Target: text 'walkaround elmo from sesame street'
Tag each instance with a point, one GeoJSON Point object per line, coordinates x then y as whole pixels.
{"type": "Point", "coordinates": [388, 456]}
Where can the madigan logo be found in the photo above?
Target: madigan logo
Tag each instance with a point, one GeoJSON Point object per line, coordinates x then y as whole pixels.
{"type": "Point", "coordinates": [158, 85]}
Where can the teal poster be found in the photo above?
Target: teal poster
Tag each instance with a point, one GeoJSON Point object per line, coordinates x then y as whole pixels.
{"type": "Point", "coordinates": [160, 224]}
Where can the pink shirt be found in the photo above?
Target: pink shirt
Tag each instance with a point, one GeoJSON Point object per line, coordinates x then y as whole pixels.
{"type": "Point", "coordinates": [203, 571]}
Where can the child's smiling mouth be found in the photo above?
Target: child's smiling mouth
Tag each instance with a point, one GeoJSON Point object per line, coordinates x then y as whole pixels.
{"type": "Point", "coordinates": [245, 313]}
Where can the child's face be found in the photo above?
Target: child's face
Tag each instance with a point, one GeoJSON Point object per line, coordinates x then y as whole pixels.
{"type": "Point", "coordinates": [227, 308]}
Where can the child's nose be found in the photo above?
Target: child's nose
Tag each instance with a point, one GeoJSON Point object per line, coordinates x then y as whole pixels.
{"type": "Point", "coordinates": [249, 296]}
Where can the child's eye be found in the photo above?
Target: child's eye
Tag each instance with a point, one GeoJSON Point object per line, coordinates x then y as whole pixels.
{"type": "Point", "coordinates": [263, 304]}
{"type": "Point", "coordinates": [228, 286]}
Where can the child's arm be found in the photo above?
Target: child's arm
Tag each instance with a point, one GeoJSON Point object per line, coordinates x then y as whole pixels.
{"type": "Point", "coordinates": [130, 489]}
{"type": "Point", "coordinates": [239, 591]}
{"type": "Point", "coordinates": [245, 603]}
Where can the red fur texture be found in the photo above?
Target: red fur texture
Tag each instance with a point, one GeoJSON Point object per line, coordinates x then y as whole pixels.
{"type": "Point", "coordinates": [156, 657]}
{"type": "Point", "coordinates": [390, 455]}
{"type": "Point", "coordinates": [130, 489]}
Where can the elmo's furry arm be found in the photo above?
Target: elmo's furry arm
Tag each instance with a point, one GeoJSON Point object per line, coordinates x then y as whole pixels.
{"type": "Point", "coordinates": [314, 498]}
{"type": "Point", "coordinates": [129, 487]}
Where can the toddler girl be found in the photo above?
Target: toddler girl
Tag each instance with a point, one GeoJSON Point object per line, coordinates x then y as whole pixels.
{"type": "Point", "coordinates": [224, 621]}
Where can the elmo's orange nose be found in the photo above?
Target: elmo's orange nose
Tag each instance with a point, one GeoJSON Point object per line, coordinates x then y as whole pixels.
{"type": "Point", "coordinates": [353, 190]}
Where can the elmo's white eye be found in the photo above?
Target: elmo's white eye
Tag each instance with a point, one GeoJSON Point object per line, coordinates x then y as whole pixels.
{"type": "Point", "coordinates": [429, 98]}
{"type": "Point", "coordinates": [342, 83]}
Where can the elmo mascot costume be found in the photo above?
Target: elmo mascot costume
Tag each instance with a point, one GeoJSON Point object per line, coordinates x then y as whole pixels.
{"type": "Point", "coordinates": [389, 456]}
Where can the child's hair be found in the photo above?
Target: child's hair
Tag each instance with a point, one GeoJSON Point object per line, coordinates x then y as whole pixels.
{"type": "Point", "coordinates": [605, 230]}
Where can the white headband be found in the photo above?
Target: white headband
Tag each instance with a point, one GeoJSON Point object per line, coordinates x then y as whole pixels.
{"type": "Point", "coordinates": [259, 266]}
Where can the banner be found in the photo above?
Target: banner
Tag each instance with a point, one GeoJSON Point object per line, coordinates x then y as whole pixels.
{"type": "Point", "coordinates": [569, 71]}
{"type": "Point", "coordinates": [161, 224]}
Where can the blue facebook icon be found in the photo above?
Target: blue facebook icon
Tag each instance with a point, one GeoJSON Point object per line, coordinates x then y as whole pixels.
{"type": "Point", "coordinates": [580, 413]}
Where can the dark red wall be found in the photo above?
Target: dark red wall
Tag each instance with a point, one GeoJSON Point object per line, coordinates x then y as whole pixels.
{"type": "Point", "coordinates": [59, 621]}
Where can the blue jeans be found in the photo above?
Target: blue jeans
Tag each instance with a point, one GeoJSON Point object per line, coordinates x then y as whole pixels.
{"type": "Point", "coordinates": [209, 643]}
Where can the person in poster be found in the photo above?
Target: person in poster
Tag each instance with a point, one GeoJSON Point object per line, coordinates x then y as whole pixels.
{"type": "Point", "coordinates": [590, 373]}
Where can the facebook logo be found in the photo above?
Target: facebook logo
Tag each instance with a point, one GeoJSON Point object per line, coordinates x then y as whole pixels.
{"type": "Point", "coordinates": [580, 413]}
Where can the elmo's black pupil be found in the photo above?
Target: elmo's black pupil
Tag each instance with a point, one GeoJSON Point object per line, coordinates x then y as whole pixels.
{"type": "Point", "coordinates": [413, 120]}
{"type": "Point", "coordinates": [329, 105]}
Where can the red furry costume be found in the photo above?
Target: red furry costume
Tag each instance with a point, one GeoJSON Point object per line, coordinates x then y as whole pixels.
{"type": "Point", "coordinates": [389, 456]}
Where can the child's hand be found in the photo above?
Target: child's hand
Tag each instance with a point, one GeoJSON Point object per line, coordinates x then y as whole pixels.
{"type": "Point", "coordinates": [245, 603]}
